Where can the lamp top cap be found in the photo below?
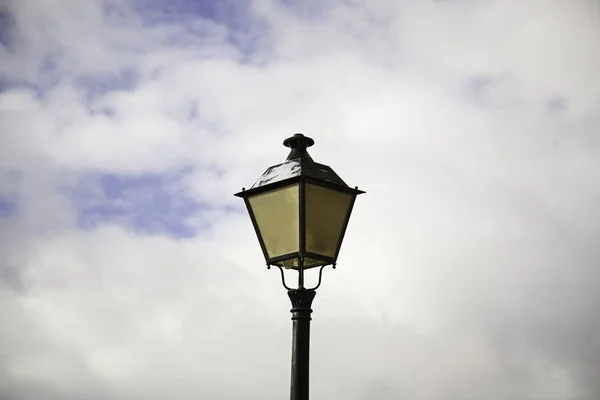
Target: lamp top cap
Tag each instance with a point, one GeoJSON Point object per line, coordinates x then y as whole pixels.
{"type": "Point", "coordinates": [298, 141]}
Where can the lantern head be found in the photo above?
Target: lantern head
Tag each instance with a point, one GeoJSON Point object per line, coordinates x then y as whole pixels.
{"type": "Point", "coordinates": [300, 209]}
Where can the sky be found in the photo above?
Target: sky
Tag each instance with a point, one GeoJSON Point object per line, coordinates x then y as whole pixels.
{"type": "Point", "coordinates": [470, 268]}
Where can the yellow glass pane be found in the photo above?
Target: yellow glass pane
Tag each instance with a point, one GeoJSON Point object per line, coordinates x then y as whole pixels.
{"type": "Point", "coordinates": [326, 212]}
{"type": "Point", "coordinates": [277, 217]}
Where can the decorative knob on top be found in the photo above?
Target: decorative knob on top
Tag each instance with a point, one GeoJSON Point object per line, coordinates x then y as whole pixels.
{"type": "Point", "coordinates": [298, 143]}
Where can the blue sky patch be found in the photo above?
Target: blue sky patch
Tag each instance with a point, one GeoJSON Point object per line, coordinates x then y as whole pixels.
{"type": "Point", "coordinates": [221, 11]}
{"type": "Point", "coordinates": [476, 88]}
{"type": "Point", "coordinates": [95, 86]}
{"type": "Point", "coordinates": [499, 92]}
{"type": "Point", "coordinates": [7, 24]}
{"type": "Point", "coordinates": [308, 9]}
{"type": "Point", "coordinates": [557, 104]}
{"type": "Point", "coordinates": [8, 84]}
{"type": "Point", "coordinates": [244, 29]}
{"type": "Point", "coordinates": [7, 208]}
{"type": "Point", "coordinates": [149, 204]}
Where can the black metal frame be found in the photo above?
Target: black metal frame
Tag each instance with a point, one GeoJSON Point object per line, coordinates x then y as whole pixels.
{"type": "Point", "coordinates": [302, 228]}
{"type": "Point", "coordinates": [296, 179]}
{"type": "Point", "coordinates": [307, 254]}
{"type": "Point", "coordinates": [314, 288]}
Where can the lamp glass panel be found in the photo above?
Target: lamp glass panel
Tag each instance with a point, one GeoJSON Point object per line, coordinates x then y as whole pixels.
{"type": "Point", "coordinates": [326, 212]}
{"type": "Point", "coordinates": [277, 218]}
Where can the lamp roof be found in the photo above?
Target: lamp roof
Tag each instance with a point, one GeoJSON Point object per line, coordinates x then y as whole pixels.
{"type": "Point", "coordinates": [299, 163]}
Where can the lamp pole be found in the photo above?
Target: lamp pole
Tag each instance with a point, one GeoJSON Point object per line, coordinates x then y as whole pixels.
{"type": "Point", "coordinates": [301, 299]}
{"type": "Point", "coordinates": [300, 210]}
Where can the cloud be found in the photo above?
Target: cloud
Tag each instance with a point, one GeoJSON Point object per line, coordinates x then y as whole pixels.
{"type": "Point", "coordinates": [469, 269]}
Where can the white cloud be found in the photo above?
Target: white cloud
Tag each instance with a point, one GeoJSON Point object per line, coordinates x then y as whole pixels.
{"type": "Point", "coordinates": [469, 267]}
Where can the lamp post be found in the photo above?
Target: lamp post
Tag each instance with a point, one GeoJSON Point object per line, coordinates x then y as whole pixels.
{"type": "Point", "coordinates": [300, 210]}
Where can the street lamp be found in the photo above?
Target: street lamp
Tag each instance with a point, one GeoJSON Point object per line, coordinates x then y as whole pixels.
{"type": "Point", "coordinates": [300, 210]}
